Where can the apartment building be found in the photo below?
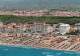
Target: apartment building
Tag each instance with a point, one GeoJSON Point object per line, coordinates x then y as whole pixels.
{"type": "Point", "coordinates": [41, 28]}
{"type": "Point", "coordinates": [64, 28]}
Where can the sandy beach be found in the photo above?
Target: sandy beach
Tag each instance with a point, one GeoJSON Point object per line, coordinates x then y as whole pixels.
{"type": "Point", "coordinates": [38, 46]}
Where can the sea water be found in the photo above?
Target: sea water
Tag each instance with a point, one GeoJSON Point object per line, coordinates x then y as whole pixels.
{"type": "Point", "coordinates": [30, 51]}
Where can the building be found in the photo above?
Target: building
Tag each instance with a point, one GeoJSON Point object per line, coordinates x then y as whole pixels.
{"type": "Point", "coordinates": [63, 37]}
{"type": "Point", "coordinates": [77, 26]}
{"type": "Point", "coordinates": [1, 23]}
{"type": "Point", "coordinates": [54, 25]}
{"type": "Point", "coordinates": [41, 28]}
{"type": "Point", "coordinates": [64, 28]}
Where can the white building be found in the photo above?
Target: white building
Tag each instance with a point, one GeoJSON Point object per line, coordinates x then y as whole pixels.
{"type": "Point", "coordinates": [1, 23]}
{"type": "Point", "coordinates": [64, 28]}
{"type": "Point", "coordinates": [63, 37]}
{"type": "Point", "coordinates": [77, 26]}
{"type": "Point", "coordinates": [41, 28]}
{"type": "Point", "coordinates": [55, 25]}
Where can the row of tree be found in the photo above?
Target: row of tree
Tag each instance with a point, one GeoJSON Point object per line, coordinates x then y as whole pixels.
{"type": "Point", "coordinates": [48, 19]}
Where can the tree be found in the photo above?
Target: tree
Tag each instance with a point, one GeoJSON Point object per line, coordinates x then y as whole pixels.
{"type": "Point", "coordinates": [73, 32]}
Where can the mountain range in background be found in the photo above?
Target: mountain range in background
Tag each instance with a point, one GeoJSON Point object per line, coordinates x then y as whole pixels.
{"type": "Point", "coordinates": [37, 4]}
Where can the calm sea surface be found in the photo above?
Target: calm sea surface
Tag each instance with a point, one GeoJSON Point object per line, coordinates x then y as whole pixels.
{"type": "Point", "coordinates": [29, 51]}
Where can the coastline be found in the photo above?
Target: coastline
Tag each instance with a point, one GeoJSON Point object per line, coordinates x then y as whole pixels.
{"type": "Point", "coordinates": [20, 45]}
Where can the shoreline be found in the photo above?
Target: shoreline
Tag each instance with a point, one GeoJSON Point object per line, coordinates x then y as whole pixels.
{"type": "Point", "coordinates": [19, 45]}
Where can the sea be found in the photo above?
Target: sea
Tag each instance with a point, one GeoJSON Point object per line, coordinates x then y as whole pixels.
{"type": "Point", "coordinates": [31, 51]}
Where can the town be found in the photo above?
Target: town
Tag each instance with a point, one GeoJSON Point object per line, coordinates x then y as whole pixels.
{"type": "Point", "coordinates": [43, 12]}
{"type": "Point", "coordinates": [60, 36]}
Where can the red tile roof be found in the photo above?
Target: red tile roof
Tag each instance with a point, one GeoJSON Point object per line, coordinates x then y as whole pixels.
{"type": "Point", "coordinates": [15, 37]}
{"type": "Point", "coordinates": [10, 35]}
{"type": "Point", "coordinates": [75, 37]}
{"type": "Point", "coordinates": [47, 24]}
{"type": "Point", "coordinates": [4, 25]}
{"type": "Point", "coordinates": [54, 40]}
{"type": "Point", "coordinates": [1, 35]}
{"type": "Point", "coordinates": [45, 38]}
{"type": "Point", "coordinates": [39, 23]}
{"type": "Point", "coordinates": [48, 35]}
{"type": "Point", "coordinates": [30, 24]}
{"type": "Point", "coordinates": [11, 28]}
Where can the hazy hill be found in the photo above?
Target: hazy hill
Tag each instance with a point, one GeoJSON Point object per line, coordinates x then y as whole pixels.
{"type": "Point", "coordinates": [38, 3]}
